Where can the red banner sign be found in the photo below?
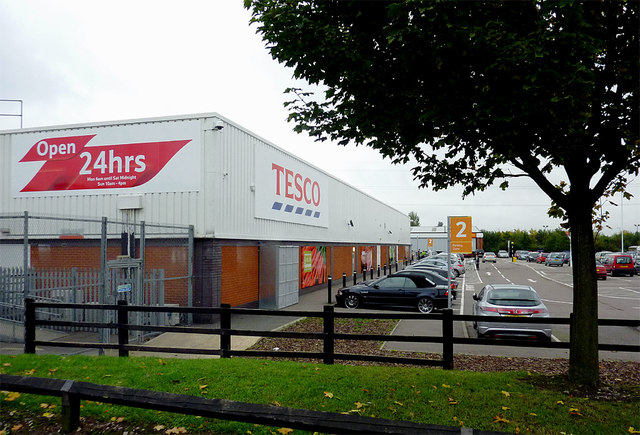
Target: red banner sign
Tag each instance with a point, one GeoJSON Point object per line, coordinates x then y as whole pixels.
{"type": "Point", "coordinates": [72, 165]}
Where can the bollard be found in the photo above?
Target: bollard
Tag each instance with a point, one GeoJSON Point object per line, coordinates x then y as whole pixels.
{"type": "Point", "coordinates": [371, 273]}
{"type": "Point", "coordinates": [396, 266]}
{"type": "Point", "coordinates": [385, 270]}
{"type": "Point", "coordinates": [329, 279]}
{"type": "Point", "coordinates": [378, 271]}
{"type": "Point", "coordinates": [364, 275]}
{"type": "Point", "coordinates": [355, 277]}
{"type": "Point", "coordinates": [344, 279]}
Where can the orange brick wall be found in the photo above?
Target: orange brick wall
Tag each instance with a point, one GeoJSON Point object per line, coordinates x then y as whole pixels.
{"type": "Point", "coordinates": [240, 275]}
{"type": "Point", "coordinates": [173, 259]}
{"type": "Point", "coordinates": [342, 261]}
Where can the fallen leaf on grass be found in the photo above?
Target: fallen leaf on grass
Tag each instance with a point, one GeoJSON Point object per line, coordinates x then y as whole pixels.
{"type": "Point", "coordinates": [559, 402]}
{"type": "Point", "coordinates": [506, 393]}
{"type": "Point", "coordinates": [328, 394]}
{"type": "Point", "coordinates": [505, 408]}
{"type": "Point", "coordinates": [48, 414]}
{"type": "Point", "coordinates": [574, 411]}
{"type": "Point", "coordinates": [17, 427]}
{"type": "Point", "coordinates": [175, 430]}
{"type": "Point", "coordinates": [12, 396]}
{"type": "Point", "coordinates": [500, 419]}
{"type": "Point", "coordinates": [285, 430]}
{"type": "Point", "coordinates": [633, 430]}
{"type": "Point", "coordinates": [29, 372]}
{"type": "Point", "coordinates": [202, 387]}
{"type": "Point", "coordinates": [6, 365]}
{"type": "Point", "coordinates": [158, 427]}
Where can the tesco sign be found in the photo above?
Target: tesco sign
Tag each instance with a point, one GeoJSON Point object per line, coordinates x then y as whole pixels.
{"type": "Point", "coordinates": [289, 190]}
{"type": "Point", "coordinates": [295, 187]}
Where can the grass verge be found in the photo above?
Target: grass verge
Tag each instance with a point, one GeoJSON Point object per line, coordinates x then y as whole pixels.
{"type": "Point", "coordinates": [504, 401]}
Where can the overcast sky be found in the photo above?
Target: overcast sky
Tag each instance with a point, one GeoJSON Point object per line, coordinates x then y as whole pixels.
{"type": "Point", "coordinates": [91, 61]}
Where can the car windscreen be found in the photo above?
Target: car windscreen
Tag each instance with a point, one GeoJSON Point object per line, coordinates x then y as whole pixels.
{"type": "Point", "coordinates": [513, 297]}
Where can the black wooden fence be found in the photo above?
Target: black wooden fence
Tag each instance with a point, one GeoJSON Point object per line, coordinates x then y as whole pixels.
{"type": "Point", "coordinates": [72, 392]}
{"type": "Point", "coordinates": [328, 335]}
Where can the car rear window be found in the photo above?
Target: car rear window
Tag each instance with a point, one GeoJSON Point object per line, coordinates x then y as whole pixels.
{"type": "Point", "coordinates": [513, 297]}
{"type": "Point", "coordinates": [623, 260]}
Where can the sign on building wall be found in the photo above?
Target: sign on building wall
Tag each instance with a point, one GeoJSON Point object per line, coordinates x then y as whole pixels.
{"type": "Point", "coordinates": [288, 190]}
{"type": "Point", "coordinates": [314, 268]}
{"type": "Point", "coordinates": [153, 157]}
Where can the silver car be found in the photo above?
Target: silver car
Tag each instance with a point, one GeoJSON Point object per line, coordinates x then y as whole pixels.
{"type": "Point", "coordinates": [509, 300]}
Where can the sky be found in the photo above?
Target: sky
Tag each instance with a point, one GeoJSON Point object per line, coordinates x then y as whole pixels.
{"type": "Point", "coordinates": [73, 62]}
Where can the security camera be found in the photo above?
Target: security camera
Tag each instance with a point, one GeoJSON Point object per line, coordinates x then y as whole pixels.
{"type": "Point", "coordinates": [218, 124]}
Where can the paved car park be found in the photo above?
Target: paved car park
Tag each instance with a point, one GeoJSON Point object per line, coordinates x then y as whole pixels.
{"type": "Point", "coordinates": [618, 297]}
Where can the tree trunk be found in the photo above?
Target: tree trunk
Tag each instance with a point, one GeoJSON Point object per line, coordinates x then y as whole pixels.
{"type": "Point", "coordinates": [583, 357]}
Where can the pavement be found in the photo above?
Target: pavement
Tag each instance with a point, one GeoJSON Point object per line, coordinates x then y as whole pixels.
{"type": "Point", "coordinates": [12, 334]}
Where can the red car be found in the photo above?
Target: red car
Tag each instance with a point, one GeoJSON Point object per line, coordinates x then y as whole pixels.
{"type": "Point", "coordinates": [601, 271]}
{"type": "Point", "coordinates": [619, 264]}
{"type": "Point", "coordinates": [542, 257]}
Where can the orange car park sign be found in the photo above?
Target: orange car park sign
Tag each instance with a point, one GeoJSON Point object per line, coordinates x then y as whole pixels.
{"type": "Point", "coordinates": [460, 235]}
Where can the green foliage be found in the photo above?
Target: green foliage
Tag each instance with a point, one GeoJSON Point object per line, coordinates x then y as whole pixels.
{"type": "Point", "coordinates": [507, 401]}
{"type": "Point", "coordinates": [475, 93]}
{"type": "Point", "coordinates": [552, 241]}
{"type": "Point", "coordinates": [414, 218]}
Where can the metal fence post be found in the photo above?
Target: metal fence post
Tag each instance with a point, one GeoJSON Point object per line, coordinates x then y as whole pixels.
{"type": "Point", "coordinates": [29, 326]}
{"type": "Point", "coordinates": [328, 329]}
{"type": "Point", "coordinates": [447, 339]}
{"type": "Point", "coordinates": [123, 329]}
{"type": "Point", "coordinates": [190, 278]}
{"type": "Point", "coordinates": [25, 254]}
{"type": "Point", "coordinates": [225, 325]}
{"type": "Point", "coordinates": [329, 279]}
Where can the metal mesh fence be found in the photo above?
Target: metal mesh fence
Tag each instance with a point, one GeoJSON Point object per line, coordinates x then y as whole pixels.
{"type": "Point", "coordinates": [93, 261]}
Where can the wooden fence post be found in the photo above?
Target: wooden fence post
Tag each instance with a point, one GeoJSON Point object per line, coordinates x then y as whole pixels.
{"type": "Point", "coordinates": [447, 339]}
{"type": "Point", "coordinates": [70, 408]}
{"type": "Point", "coordinates": [225, 325]}
{"type": "Point", "coordinates": [123, 328]}
{"type": "Point", "coordinates": [328, 329]}
{"type": "Point", "coordinates": [29, 326]}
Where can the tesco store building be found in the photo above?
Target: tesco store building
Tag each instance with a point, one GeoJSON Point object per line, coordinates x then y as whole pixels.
{"type": "Point", "coordinates": [266, 224]}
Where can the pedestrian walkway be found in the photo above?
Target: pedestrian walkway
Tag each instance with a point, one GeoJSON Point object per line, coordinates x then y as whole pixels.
{"type": "Point", "coordinates": [11, 334]}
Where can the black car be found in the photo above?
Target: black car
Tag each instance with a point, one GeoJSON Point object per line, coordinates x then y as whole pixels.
{"type": "Point", "coordinates": [408, 289]}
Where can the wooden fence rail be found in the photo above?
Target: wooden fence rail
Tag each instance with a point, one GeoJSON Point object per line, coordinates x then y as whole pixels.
{"type": "Point", "coordinates": [72, 392]}
{"type": "Point", "coordinates": [328, 335]}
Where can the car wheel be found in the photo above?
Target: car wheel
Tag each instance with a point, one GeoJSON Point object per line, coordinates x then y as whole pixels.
{"type": "Point", "coordinates": [352, 301]}
{"type": "Point", "coordinates": [456, 273]}
{"type": "Point", "coordinates": [604, 278]}
{"type": "Point", "coordinates": [425, 305]}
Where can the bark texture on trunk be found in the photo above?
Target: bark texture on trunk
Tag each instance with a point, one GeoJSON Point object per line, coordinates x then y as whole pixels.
{"type": "Point", "coordinates": [583, 358]}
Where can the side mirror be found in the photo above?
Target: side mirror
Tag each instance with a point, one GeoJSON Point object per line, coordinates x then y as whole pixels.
{"type": "Point", "coordinates": [475, 297]}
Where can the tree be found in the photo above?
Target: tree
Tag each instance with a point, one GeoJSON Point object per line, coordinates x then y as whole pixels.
{"type": "Point", "coordinates": [476, 93]}
{"type": "Point", "coordinates": [414, 218]}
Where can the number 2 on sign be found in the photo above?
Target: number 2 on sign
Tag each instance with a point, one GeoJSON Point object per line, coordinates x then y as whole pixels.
{"type": "Point", "coordinates": [463, 229]}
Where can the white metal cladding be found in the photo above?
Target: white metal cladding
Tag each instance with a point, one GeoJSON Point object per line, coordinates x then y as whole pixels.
{"type": "Point", "coordinates": [224, 206]}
